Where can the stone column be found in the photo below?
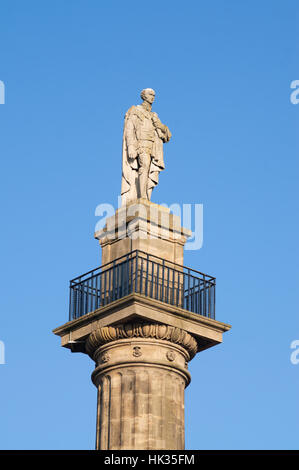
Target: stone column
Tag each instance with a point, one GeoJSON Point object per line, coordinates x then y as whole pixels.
{"type": "Point", "coordinates": [141, 340]}
{"type": "Point", "coordinates": [141, 373]}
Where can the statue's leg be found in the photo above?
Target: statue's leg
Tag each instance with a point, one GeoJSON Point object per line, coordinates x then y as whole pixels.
{"type": "Point", "coordinates": [144, 160]}
{"type": "Point", "coordinates": [149, 193]}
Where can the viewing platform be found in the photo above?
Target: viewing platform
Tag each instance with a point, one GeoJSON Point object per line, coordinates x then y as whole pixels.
{"type": "Point", "coordinates": [147, 275]}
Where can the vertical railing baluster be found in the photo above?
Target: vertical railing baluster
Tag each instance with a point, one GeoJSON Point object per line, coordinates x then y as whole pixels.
{"type": "Point", "coordinates": [172, 288]}
{"type": "Point", "coordinates": [146, 276]}
{"type": "Point", "coordinates": [86, 296]}
{"type": "Point", "coordinates": [214, 299]}
{"type": "Point", "coordinates": [131, 285]}
{"type": "Point", "coordinates": [141, 275]}
{"type": "Point", "coordinates": [117, 282]}
{"type": "Point", "coordinates": [77, 304]}
{"type": "Point", "coordinates": [109, 285]}
{"type": "Point", "coordinates": [136, 272]}
{"type": "Point", "coordinates": [178, 289]}
{"type": "Point", "coordinates": [204, 297]}
{"type": "Point", "coordinates": [91, 295]}
{"type": "Point", "coordinates": [158, 281]}
{"type": "Point", "coordinates": [89, 292]}
{"type": "Point", "coordinates": [112, 282]}
{"type": "Point", "coordinates": [121, 281]}
{"type": "Point", "coordinates": [184, 290]}
{"type": "Point", "coordinates": [209, 294]}
{"type": "Point", "coordinates": [188, 297]}
{"type": "Point", "coordinates": [80, 310]}
{"type": "Point", "coordinates": [192, 295]}
{"type": "Point", "coordinates": [116, 275]}
{"type": "Point", "coordinates": [83, 298]}
{"type": "Point", "coordinates": [100, 290]}
{"type": "Point", "coordinates": [167, 288]}
{"type": "Point", "coordinates": [71, 303]}
{"type": "Point", "coordinates": [128, 274]}
{"type": "Point", "coordinates": [152, 285]}
{"type": "Point", "coordinates": [96, 292]}
{"type": "Point", "coordinates": [198, 296]}
{"type": "Point", "coordinates": [105, 287]}
{"type": "Point", "coordinates": [162, 284]}
{"type": "Point", "coordinates": [74, 303]}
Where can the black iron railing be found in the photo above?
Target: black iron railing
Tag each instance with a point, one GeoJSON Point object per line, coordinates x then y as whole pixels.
{"type": "Point", "coordinates": [147, 275]}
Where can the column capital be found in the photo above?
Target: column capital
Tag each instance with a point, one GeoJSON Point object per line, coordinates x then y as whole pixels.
{"type": "Point", "coordinates": [158, 331]}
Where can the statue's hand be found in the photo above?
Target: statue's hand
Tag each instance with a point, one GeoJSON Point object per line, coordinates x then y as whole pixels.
{"type": "Point", "coordinates": [167, 134]}
{"type": "Point", "coordinates": [162, 130]}
{"type": "Point", "coordinates": [132, 152]}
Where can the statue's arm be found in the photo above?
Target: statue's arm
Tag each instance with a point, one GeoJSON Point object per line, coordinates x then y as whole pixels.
{"type": "Point", "coordinates": [130, 136]}
{"type": "Point", "coordinates": [162, 129]}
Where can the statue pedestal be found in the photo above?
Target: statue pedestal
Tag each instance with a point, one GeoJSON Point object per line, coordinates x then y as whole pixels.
{"type": "Point", "coordinates": [145, 226]}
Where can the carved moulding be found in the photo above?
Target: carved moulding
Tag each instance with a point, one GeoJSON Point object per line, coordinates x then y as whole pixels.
{"type": "Point", "coordinates": [107, 334]}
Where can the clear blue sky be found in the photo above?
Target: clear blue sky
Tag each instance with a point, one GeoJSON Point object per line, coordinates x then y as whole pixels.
{"type": "Point", "coordinates": [222, 72]}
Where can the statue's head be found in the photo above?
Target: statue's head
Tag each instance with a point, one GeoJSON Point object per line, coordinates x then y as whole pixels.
{"type": "Point", "coordinates": [148, 94]}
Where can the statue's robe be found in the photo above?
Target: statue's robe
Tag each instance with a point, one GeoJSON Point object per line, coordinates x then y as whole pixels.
{"type": "Point", "coordinates": [131, 137]}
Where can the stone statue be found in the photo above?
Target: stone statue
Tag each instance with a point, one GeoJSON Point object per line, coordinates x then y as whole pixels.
{"type": "Point", "coordinates": [142, 158]}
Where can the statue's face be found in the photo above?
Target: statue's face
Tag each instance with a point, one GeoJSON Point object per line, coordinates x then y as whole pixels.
{"type": "Point", "coordinates": [149, 96]}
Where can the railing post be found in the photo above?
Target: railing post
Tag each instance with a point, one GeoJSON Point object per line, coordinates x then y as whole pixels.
{"type": "Point", "coordinates": [157, 288]}
{"type": "Point", "coordinates": [96, 293]}
{"type": "Point", "coordinates": [178, 289]}
{"type": "Point", "coordinates": [162, 286]}
{"type": "Point", "coordinates": [167, 288]}
{"type": "Point", "coordinates": [136, 272]}
{"type": "Point", "coordinates": [146, 276]}
{"type": "Point", "coordinates": [71, 303]}
{"type": "Point", "coordinates": [214, 299]}
{"type": "Point", "coordinates": [105, 287]}
{"type": "Point", "coordinates": [172, 288]}
{"type": "Point", "coordinates": [141, 276]}
{"type": "Point", "coordinates": [204, 296]}
{"type": "Point", "coordinates": [188, 297]}
{"type": "Point", "coordinates": [113, 282]}
{"type": "Point", "coordinates": [81, 309]}
{"type": "Point", "coordinates": [127, 265]}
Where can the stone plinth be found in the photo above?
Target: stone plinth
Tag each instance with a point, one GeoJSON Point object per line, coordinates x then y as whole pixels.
{"type": "Point", "coordinates": [143, 226]}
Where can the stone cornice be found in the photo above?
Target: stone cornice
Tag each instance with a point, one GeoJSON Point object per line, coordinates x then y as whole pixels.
{"type": "Point", "coordinates": [179, 312]}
